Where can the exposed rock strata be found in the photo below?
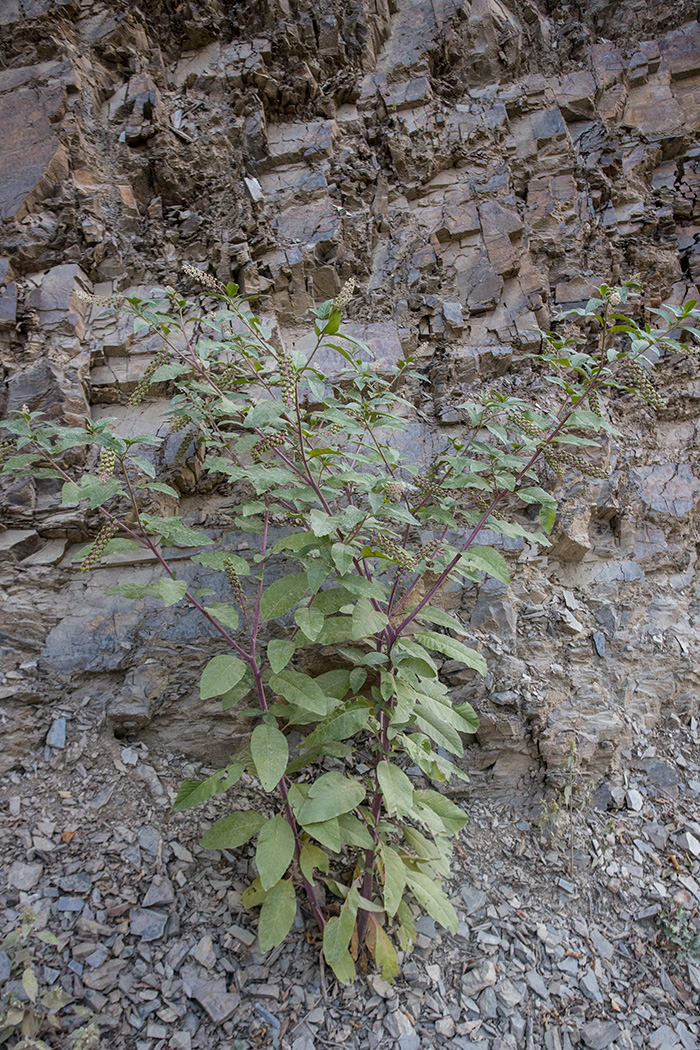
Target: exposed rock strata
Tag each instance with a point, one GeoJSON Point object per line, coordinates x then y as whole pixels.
{"type": "Point", "coordinates": [477, 166]}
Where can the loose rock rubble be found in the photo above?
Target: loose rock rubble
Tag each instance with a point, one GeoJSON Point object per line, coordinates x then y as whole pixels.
{"type": "Point", "coordinates": [154, 939]}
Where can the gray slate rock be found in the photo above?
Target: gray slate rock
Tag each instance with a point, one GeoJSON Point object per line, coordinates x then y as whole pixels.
{"type": "Point", "coordinates": [147, 923]}
{"type": "Point", "coordinates": [4, 967]}
{"type": "Point", "coordinates": [159, 892]}
{"type": "Point", "coordinates": [56, 736]}
{"type": "Point", "coordinates": [482, 976]}
{"type": "Point", "coordinates": [212, 995]}
{"type": "Point", "coordinates": [24, 876]}
{"type": "Point", "coordinates": [599, 1034]}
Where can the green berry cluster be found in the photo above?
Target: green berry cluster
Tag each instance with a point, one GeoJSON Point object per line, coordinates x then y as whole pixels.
{"type": "Point", "coordinates": [234, 582]}
{"type": "Point", "coordinates": [184, 445]}
{"type": "Point", "coordinates": [393, 490]}
{"type": "Point", "coordinates": [228, 377]}
{"type": "Point", "coordinates": [403, 559]}
{"type": "Point", "coordinates": [643, 385]}
{"type": "Point", "coordinates": [520, 420]}
{"type": "Point", "coordinates": [204, 278]}
{"type": "Point", "coordinates": [554, 463]}
{"type": "Point", "coordinates": [178, 423]}
{"type": "Point", "coordinates": [108, 458]}
{"type": "Point", "coordinates": [428, 486]}
{"type": "Point", "coordinates": [288, 378]}
{"type": "Point", "coordinates": [594, 402]}
{"type": "Point", "coordinates": [428, 551]}
{"type": "Point", "coordinates": [266, 444]}
{"type": "Point", "coordinates": [161, 358]}
{"type": "Point", "coordinates": [101, 540]}
{"type": "Point", "coordinates": [7, 449]}
{"type": "Point", "coordinates": [563, 458]}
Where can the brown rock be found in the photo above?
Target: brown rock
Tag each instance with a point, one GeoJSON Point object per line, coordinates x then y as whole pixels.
{"type": "Point", "coordinates": [32, 160]}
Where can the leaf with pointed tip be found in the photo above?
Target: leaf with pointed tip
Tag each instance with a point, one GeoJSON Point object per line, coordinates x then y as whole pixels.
{"type": "Point", "coordinates": [220, 675]}
{"type": "Point", "coordinates": [396, 788]}
{"type": "Point", "coordinates": [452, 648]}
{"type": "Point", "coordinates": [277, 915]}
{"type": "Point", "coordinates": [282, 595]}
{"type": "Point", "coordinates": [274, 851]}
{"type": "Point", "coordinates": [233, 830]}
{"type": "Point", "coordinates": [270, 753]}
{"type": "Point", "coordinates": [279, 653]}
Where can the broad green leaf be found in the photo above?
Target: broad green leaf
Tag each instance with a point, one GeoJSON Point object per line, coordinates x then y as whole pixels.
{"type": "Point", "coordinates": [353, 832]}
{"type": "Point", "coordinates": [192, 792]}
{"type": "Point", "coordinates": [344, 969]}
{"type": "Point", "coordinates": [174, 533]}
{"type": "Point", "coordinates": [30, 984]}
{"type": "Point", "coordinates": [397, 789]}
{"type": "Point", "coordinates": [452, 648]}
{"type": "Point", "coordinates": [489, 560]}
{"type": "Point", "coordinates": [219, 560]}
{"type": "Point", "coordinates": [469, 717]}
{"type": "Point", "coordinates": [254, 895]}
{"type": "Point", "coordinates": [363, 588]}
{"type": "Point", "coordinates": [233, 830]}
{"type": "Point", "coordinates": [452, 817]}
{"type": "Point", "coordinates": [321, 523]}
{"type": "Point", "coordinates": [329, 796]}
{"type": "Point", "coordinates": [327, 832]}
{"type": "Point", "coordinates": [431, 722]}
{"type": "Point", "coordinates": [233, 696]}
{"type": "Point", "coordinates": [225, 614]}
{"type": "Point", "coordinates": [144, 465]}
{"type": "Point", "coordinates": [98, 492]}
{"type": "Point", "coordinates": [274, 851]}
{"type": "Point", "coordinates": [70, 493]}
{"type": "Point", "coordinates": [394, 879]}
{"type": "Point", "coordinates": [366, 620]}
{"type": "Point", "coordinates": [548, 509]}
{"type": "Point", "coordinates": [338, 930]}
{"type": "Point", "coordinates": [407, 927]}
{"type": "Point", "coordinates": [301, 690]}
{"type": "Point", "coordinates": [433, 899]}
{"type": "Point", "coordinates": [220, 675]}
{"type": "Point", "coordinates": [334, 683]}
{"type": "Point", "coordinates": [270, 753]}
{"type": "Point", "coordinates": [340, 726]}
{"type": "Point", "coordinates": [343, 556]}
{"type": "Point", "coordinates": [310, 620]}
{"type": "Point", "coordinates": [312, 857]}
{"type": "Point", "coordinates": [279, 653]}
{"type": "Point", "coordinates": [170, 590]}
{"type": "Point", "coordinates": [282, 595]}
{"type": "Point", "coordinates": [385, 955]}
{"type": "Point", "coordinates": [277, 915]}
{"type": "Point", "coordinates": [434, 615]}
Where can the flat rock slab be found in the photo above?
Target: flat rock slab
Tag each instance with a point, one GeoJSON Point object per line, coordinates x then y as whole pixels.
{"type": "Point", "coordinates": [24, 876]}
{"type": "Point", "coordinates": [147, 923]}
{"type": "Point", "coordinates": [212, 996]}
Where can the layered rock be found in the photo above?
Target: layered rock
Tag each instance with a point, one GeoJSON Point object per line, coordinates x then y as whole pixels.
{"type": "Point", "coordinates": [477, 167]}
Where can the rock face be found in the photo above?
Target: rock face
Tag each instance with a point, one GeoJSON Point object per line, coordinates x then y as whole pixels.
{"type": "Point", "coordinates": [476, 166]}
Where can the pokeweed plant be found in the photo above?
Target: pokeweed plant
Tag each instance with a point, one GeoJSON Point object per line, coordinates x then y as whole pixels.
{"type": "Point", "coordinates": [368, 541]}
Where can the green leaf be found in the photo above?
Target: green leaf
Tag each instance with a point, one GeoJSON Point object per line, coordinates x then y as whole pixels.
{"type": "Point", "coordinates": [310, 620]}
{"type": "Point", "coordinates": [433, 899]}
{"type": "Point", "coordinates": [548, 509]}
{"type": "Point", "coordinates": [70, 493]}
{"type": "Point", "coordinates": [407, 927]}
{"type": "Point", "coordinates": [98, 492]}
{"type": "Point", "coordinates": [225, 614]}
{"type": "Point", "coordinates": [394, 879]}
{"type": "Point", "coordinates": [452, 817]}
{"type": "Point", "coordinates": [300, 690]}
{"type": "Point", "coordinates": [233, 696]}
{"type": "Point", "coordinates": [160, 486]}
{"type": "Point", "coordinates": [366, 620]}
{"type": "Point", "coordinates": [144, 465]}
{"type": "Point", "coordinates": [469, 717]}
{"type": "Point", "coordinates": [339, 929]}
{"type": "Point", "coordinates": [353, 832]}
{"type": "Point", "coordinates": [233, 830]}
{"type": "Point", "coordinates": [341, 726]}
{"type": "Point", "coordinates": [486, 559]}
{"type": "Point", "coordinates": [312, 857]}
{"type": "Point", "coordinates": [174, 533]}
{"type": "Point", "coordinates": [434, 615]}
{"type": "Point", "coordinates": [327, 832]}
{"type": "Point", "coordinates": [170, 590]}
{"type": "Point", "coordinates": [279, 653]}
{"type": "Point", "coordinates": [385, 955]}
{"type": "Point", "coordinates": [452, 648]}
{"type": "Point", "coordinates": [329, 796]}
{"type": "Point", "coordinates": [270, 753]}
{"type": "Point", "coordinates": [220, 675]}
{"type": "Point", "coordinates": [192, 792]}
{"type": "Point", "coordinates": [430, 721]}
{"type": "Point", "coordinates": [343, 556]}
{"type": "Point", "coordinates": [397, 789]}
{"type": "Point", "coordinates": [254, 895]}
{"type": "Point", "coordinates": [274, 851]}
{"type": "Point", "coordinates": [30, 984]}
{"type": "Point", "coordinates": [282, 595]}
{"type": "Point", "coordinates": [277, 915]}
{"type": "Point", "coordinates": [218, 559]}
